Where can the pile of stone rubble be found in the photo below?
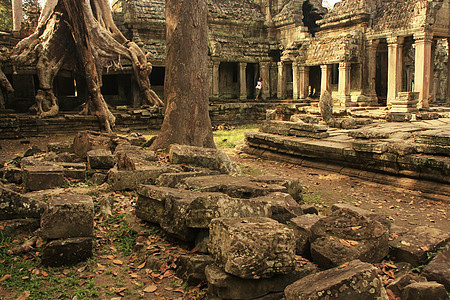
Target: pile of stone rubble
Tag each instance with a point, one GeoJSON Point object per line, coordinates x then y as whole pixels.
{"type": "Point", "coordinates": [253, 237]}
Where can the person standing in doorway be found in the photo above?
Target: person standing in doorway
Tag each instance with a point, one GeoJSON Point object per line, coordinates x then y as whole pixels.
{"type": "Point", "coordinates": [258, 88]}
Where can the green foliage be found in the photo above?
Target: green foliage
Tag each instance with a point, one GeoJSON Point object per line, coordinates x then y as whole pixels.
{"type": "Point", "coordinates": [5, 15]}
{"type": "Point", "coordinates": [234, 137]}
{"type": "Point", "coordinates": [430, 256]}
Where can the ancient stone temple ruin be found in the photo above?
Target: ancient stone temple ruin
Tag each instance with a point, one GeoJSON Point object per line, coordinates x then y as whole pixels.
{"type": "Point", "coordinates": [364, 52]}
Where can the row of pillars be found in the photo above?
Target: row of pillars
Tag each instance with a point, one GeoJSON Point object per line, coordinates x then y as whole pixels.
{"type": "Point", "coordinates": [264, 74]}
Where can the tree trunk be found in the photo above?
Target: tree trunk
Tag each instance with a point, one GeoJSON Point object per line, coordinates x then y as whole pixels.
{"type": "Point", "coordinates": [81, 36]}
{"type": "Point", "coordinates": [186, 119]}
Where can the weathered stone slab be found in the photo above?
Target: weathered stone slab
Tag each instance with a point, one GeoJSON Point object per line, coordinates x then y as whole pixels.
{"type": "Point", "coordinates": [363, 212]}
{"type": "Point", "coordinates": [37, 178]}
{"type": "Point", "coordinates": [207, 207]}
{"type": "Point", "coordinates": [345, 236]}
{"type": "Point", "coordinates": [60, 147]}
{"type": "Point", "coordinates": [300, 129]}
{"type": "Point", "coordinates": [67, 251]}
{"type": "Point", "coordinates": [129, 180]}
{"type": "Point", "coordinates": [400, 282]}
{"type": "Point", "coordinates": [302, 230]}
{"type": "Point", "coordinates": [129, 157]}
{"type": "Point", "coordinates": [439, 136]}
{"type": "Point", "coordinates": [439, 269]}
{"type": "Point", "coordinates": [191, 268]}
{"type": "Point", "coordinates": [413, 245]}
{"type": "Point", "coordinates": [74, 170]}
{"type": "Point", "coordinates": [12, 174]}
{"type": "Point", "coordinates": [100, 159]}
{"type": "Point", "coordinates": [425, 290]}
{"type": "Point", "coordinates": [371, 147]}
{"type": "Point", "coordinates": [173, 179]}
{"type": "Point", "coordinates": [15, 227]}
{"type": "Point", "coordinates": [226, 286]}
{"type": "Point", "coordinates": [244, 187]}
{"type": "Point", "coordinates": [87, 140]}
{"type": "Point", "coordinates": [203, 157]}
{"type": "Point", "coordinates": [68, 216]}
{"type": "Point", "coordinates": [252, 248]}
{"type": "Point", "coordinates": [357, 280]}
{"type": "Point", "coordinates": [294, 186]}
{"type": "Point", "coordinates": [282, 206]}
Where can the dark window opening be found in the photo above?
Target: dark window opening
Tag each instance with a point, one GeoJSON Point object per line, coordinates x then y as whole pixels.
{"type": "Point", "coordinates": [235, 72]}
{"type": "Point", "coordinates": [157, 76]}
{"type": "Point", "coordinates": [335, 74]}
{"type": "Point", "coordinates": [310, 16]}
{"type": "Point", "coordinates": [275, 55]}
{"type": "Point", "coordinates": [110, 85]}
{"type": "Point", "coordinates": [65, 86]}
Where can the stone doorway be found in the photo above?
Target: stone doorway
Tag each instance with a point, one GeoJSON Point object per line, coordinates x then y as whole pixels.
{"type": "Point", "coordinates": [228, 80]}
{"type": "Point", "coordinates": [252, 74]}
{"type": "Point", "coordinates": [381, 79]}
{"type": "Point", "coordinates": [314, 82]}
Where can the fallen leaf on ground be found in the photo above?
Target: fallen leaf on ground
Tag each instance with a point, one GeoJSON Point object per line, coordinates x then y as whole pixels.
{"type": "Point", "coordinates": [24, 296]}
{"type": "Point", "coordinates": [343, 265]}
{"type": "Point", "coordinates": [141, 266]}
{"type": "Point", "coordinates": [425, 248]}
{"type": "Point", "coordinates": [150, 288]}
{"type": "Point", "coordinates": [4, 278]}
{"type": "Point", "coordinates": [118, 262]}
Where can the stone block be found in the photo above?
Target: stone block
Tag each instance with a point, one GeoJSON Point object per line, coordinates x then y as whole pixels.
{"type": "Point", "coordinates": [130, 180]}
{"type": "Point", "coordinates": [400, 282]}
{"type": "Point", "coordinates": [100, 159]}
{"type": "Point", "coordinates": [173, 179]}
{"type": "Point", "coordinates": [413, 245]}
{"type": "Point", "coordinates": [252, 248]}
{"type": "Point", "coordinates": [12, 174]}
{"type": "Point", "coordinates": [67, 251]}
{"type": "Point", "coordinates": [356, 280]}
{"type": "Point", "coordinates": [60, 147]}
{"type": "Point", "coordinates": [130, 157]}
{"type": "Point", "coordinates": [74, 170]}
{"type": "Point", "coordinates": [282, 206]}
{"type": "Point", "coordinates": [294, 186]}
{"type": "Point", "coordinates": [244, 187]}
{"type": "Point", "coordinates": [439, 269]}
{"type": "Point", "coordinates": [191, 268]}
{"type": "Point", "coordinates": [302, 230]}
{"type": "Point", "coordinates": [226, 286]}
{"type": "Point", "coordinates": [17, 206]}
{"type": "Point", "coordinates": [15, 227]}
{"type": "Point", "coordinates": [377, 217]}
{"type": "Point", "coordinates": [67, 216]}
{"type": "Point", "coordinates": [37, 178]}
{"type": "Point", "coordinates": [425, 290]}
{"type": "Point", "coordinates": [345, 236]}
{"type": "Point", "coordinates": [87, 140]}
{"type": "Point", "coordinates": [203, 157]}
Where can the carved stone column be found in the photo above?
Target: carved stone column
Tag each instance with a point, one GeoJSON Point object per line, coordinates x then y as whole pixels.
{"type": "Point", "coordinates": [344, 83]}
{"type": "Point", "coordinates": [265, 71]}
{"type": "Point", "coordinates": [17, 14]}
{"type": "Point", "coordinates": [215, 79]}
{"type": "Point", "coordinates": [448, 76]}
{"type": "Point", "coordinates": [372, 68]}
{"type": "Point", "coordinates": [304, 82]}
{"type": "Point", "coordinates": [295, 81]}
{"type": "Point", "coordinates": [326, 78]}
{"type": "Point", "coordinates": [395, 64]}
{"type": "Point", "coordinates": [422, 67]}
{"type": "Point", "coordinates": [242, 81]}
{"type": "Point", "coordinates": [281, 91]}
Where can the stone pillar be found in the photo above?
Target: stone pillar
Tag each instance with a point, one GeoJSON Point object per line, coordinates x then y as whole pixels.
{"type": "Point", "coordinates": [17, 14]}
{"type": "Point", "coordinates": [265, 71]}
{"type": "Point", "coordinates": [448, 75]}
{"type": "Point", "coordinates": [215, 79]}
{"type": "Point", "coordinates": [326, 78]}
{"type": "Point", "coordinates": [281, 90]}
{"type": "Point", "coordinates": [344, 83]}
{"type": "Point", "coordinates": [242, 81]}
{"type": "Point", "coordinates": [295, 81]}
{"type": "Point", "coordinates": [304, 82]}
{"type": "Point", "coordinates": [372, 68]}
{"type": "Point", "coordinates": [210, 76]}
{"type": "Point", "coordinates": [422, 67]}
{"type": "Point", "coordinates": [395, 63]}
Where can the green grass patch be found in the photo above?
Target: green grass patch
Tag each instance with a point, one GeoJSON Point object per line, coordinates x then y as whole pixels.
{"type": "Point", "coordinates": [234, 137]}
{"type": "Point", "coordinates": [24, 273]}
{"type": "Point", "coordinates": [120, 232]}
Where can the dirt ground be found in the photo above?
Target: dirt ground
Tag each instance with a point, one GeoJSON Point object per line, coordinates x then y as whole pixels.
{"type": "Point", "coordinates": [140, 275]}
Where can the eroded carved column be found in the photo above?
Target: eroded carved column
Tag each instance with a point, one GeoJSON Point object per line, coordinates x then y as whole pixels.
{"type": "Point", "coordinates": [17, 14]}
{"type": "Point", "coordinates": [281, 90]}
{"type": "Point", "coordinates": [325, 83]}
{"type": "Point", "coordinates": [395, 64]}
{"type": "Point", "coordinates": [304, 82]}
{"type": "Point", "coordinates": [448, 75]}
{"type": "Point", "coordinates": [372, 67]}
{"type": "Point", "coordinates": [215, 79]}
{"type": "Point", "coordinates": [422, 67]}
{"type": "Point", "coordinates": [295, 81]}
{"type": "Point", "coordinates": [344, 83]}
{"type": "Point", "coordinates": [265, 70]}
{"type": "Point", "coordinates": [242, 81]}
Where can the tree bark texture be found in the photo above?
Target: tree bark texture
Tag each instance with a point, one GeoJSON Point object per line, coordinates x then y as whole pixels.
{"type": "Point", "coordinates": [186, 119]}
{"type": "Point", "coordinates": [80, 35]}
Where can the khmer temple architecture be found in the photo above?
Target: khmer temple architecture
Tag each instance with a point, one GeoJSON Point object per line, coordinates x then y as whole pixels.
{"type": "Point", "coordinates": [364, 52]}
